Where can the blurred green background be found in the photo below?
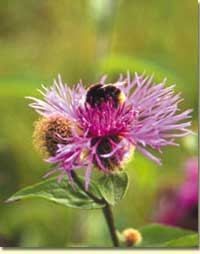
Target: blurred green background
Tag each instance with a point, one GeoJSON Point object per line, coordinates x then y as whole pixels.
{"type": "Point", "coordinates": [84, 39]}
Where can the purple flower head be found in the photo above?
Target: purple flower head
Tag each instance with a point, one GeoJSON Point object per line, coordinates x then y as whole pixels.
{"type": "Point", "coordinates": [188, 192]}
{"type": "Point", "coordinates": [108, 121]}
{"type": "Point", "coordinates": [179, 207]}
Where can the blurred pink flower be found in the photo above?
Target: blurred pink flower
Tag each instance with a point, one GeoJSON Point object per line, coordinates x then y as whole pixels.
{"type": "Point", "coordinates": [180, 207]}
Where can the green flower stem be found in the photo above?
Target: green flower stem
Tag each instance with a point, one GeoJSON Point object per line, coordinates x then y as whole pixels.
{"type": "Point", "coordinates": [106, 210]}
{"type": "Point", "coordinates": [82, 187]}
{"type": "Point", "coordinates": [111, 225]}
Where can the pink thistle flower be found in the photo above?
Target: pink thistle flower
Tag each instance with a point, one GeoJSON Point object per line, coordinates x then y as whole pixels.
{"type": "Point", "coordinates": [188, 192]}
{"type": "Point", "coordinates": [179, 207]}
{"type": "Point", "coordinates": [108, 120]}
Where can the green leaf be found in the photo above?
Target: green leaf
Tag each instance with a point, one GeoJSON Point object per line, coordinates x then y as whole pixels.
{"type": "Point", "coordinates": [113, 187]}
{"type": "Point", "coordinates": [60, 193]}
{"type": "Point", "coordinates": [157, 235]}
{"type": "Point", "coordinates": [185, 241]}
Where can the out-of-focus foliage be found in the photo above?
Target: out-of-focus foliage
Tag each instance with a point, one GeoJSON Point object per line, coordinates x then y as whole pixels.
{"type": "Point", "coordinates": [84, 39]}
{"type": "Point", "coordinates": [155, 235]}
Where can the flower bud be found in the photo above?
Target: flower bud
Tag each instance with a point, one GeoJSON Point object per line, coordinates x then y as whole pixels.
{"type": "Point", "coordinates": [131, 236]}
{"type": "Point", "coordinates": [49, 132]}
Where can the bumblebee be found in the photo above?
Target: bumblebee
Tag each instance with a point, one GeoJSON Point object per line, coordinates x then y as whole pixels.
{"type": "Point", "coordinates": [99, 93]}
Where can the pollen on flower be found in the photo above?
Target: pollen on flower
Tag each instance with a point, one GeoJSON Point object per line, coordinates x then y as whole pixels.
{"type": "Point", "coordinates": [132, 236]}
{"type": "Point", "coordinates": [47, 132]}
{"type": "Point", "coordinates": [129, 155]}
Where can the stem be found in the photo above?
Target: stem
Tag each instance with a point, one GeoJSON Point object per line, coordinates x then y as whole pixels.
{"type": "Point", "coordinates": [106, 210]}
{"type": "Point", "coordinates": [111, 225]}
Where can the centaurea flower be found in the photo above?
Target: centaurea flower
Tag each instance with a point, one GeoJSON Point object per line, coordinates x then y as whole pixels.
{"type": "Point", "coordinates": [104, 123]}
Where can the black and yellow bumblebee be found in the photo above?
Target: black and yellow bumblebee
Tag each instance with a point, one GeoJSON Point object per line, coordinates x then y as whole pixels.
{"type": "Point", "coordinates": [99, 93]}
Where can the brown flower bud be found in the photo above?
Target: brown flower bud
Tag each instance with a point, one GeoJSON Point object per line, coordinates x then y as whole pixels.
{"type": "Point", "coordinates": [47, 132]}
